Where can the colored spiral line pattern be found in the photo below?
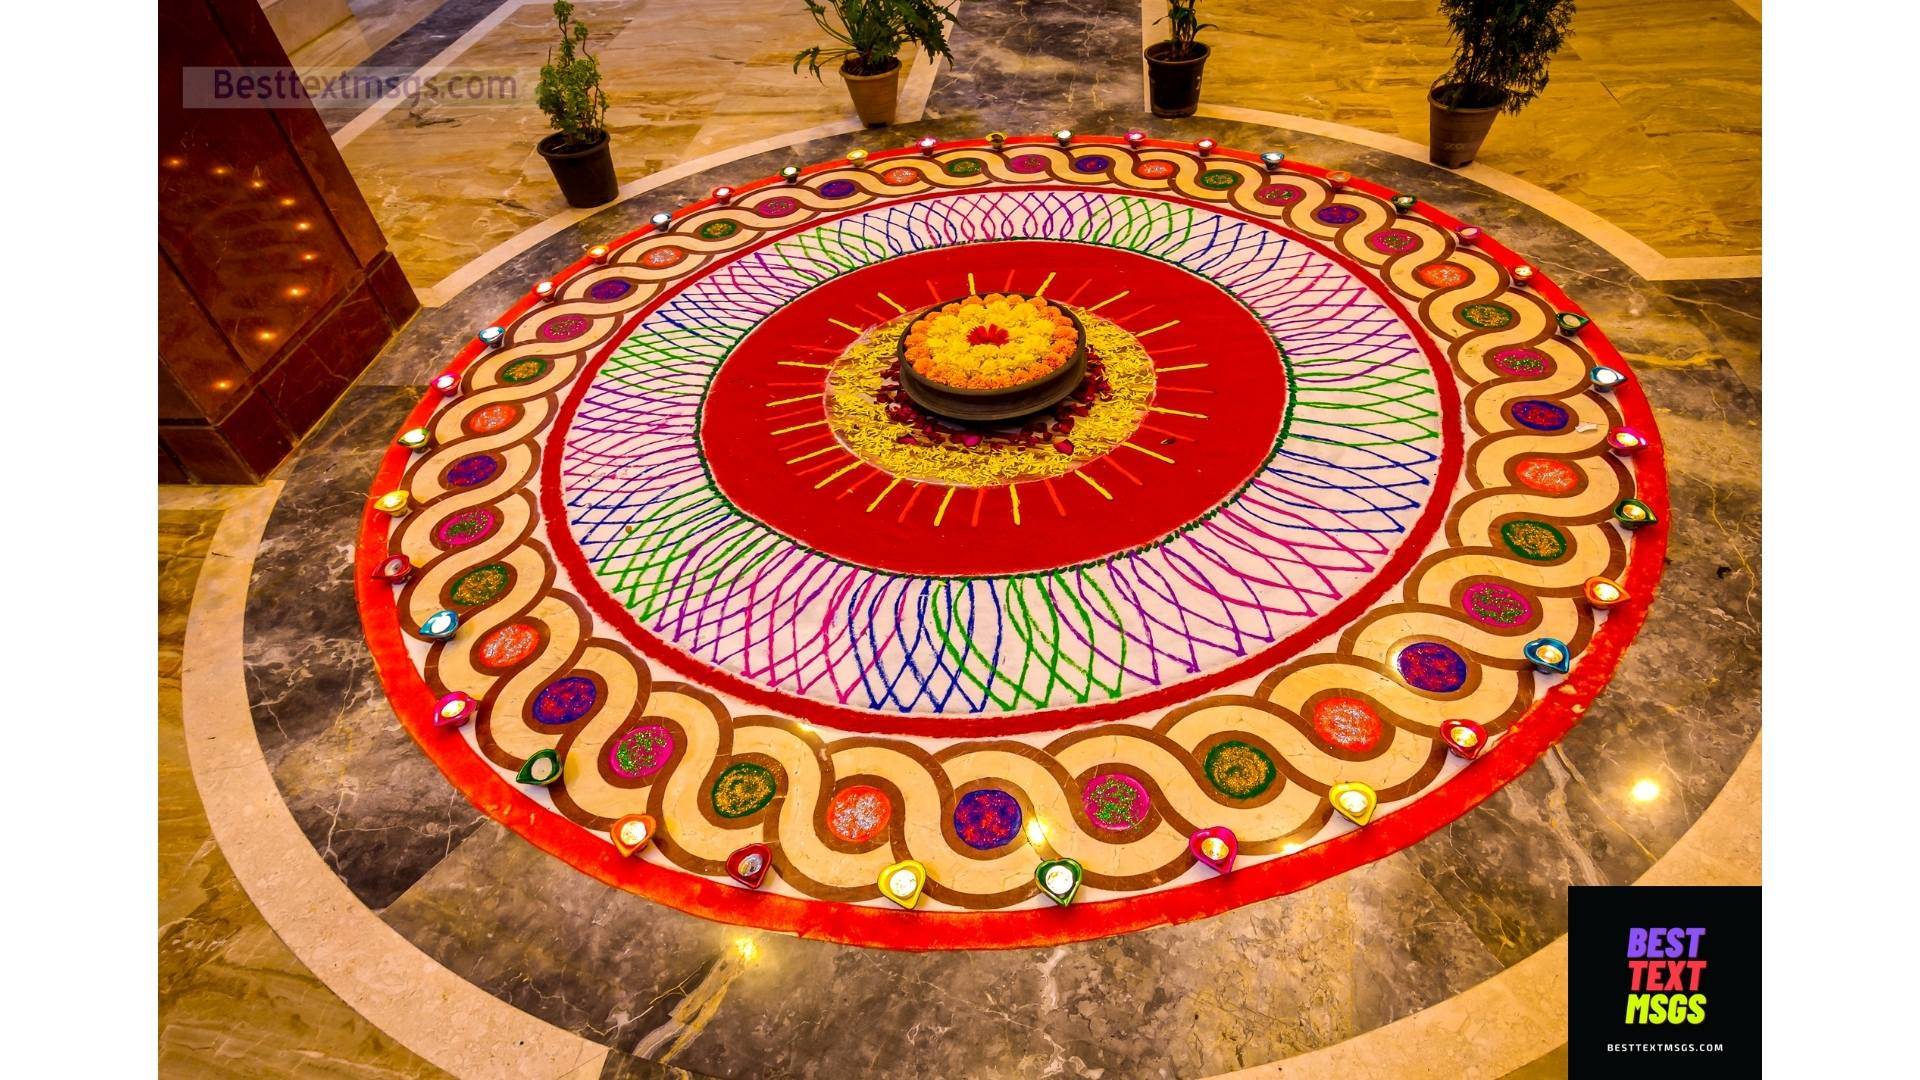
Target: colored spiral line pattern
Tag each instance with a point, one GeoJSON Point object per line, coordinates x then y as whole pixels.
{"type": "Point", "coordinates": [1529, 523]}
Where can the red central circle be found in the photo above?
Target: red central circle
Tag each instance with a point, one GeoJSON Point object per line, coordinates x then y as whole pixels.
{"type": "Point", "coordinates": [1216, 413]}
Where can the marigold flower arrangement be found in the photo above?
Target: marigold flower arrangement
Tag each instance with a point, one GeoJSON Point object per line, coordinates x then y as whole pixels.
{"type": "Point", "coordinates": [991, 342]}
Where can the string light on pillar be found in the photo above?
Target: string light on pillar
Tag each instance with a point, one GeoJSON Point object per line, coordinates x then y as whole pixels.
{"type": "Point", "coordinates": [394, 503]}
{"type": "Point", "coordinates": [1354, 801]}
{"type": "Point", "coordinates": [1463, 738]}
{"type": "Point", "coordinates": [1631, 514]}
{"type": "Point", "coordinates": [1604, 592]}
{"type": "Point", "coordinates": [1625, 441]}
{"type": "Point", "coordinates": [541, 769]}
{"type": "Point", "coordinates": [1059, 880]}
{"type": "Point", "coordinates": [393, 569]}
{"type": "Point", "coordinates": [903, 881]}
{"type": "Point", "coordinates": [1215, 847]}
{"type": "Point", "coordinates": [1549, 656]}
{"type": "Point", "coordinates": [748, 865]}
{"type": "Point", "coordinates": [415, 439]}
{"type": "Point", "coordinates": [633, 832]}
{"type": "Point", "coordinates": [1604, 378]}
{"type": "Point", "coordinates": [455, 709]}
{"type": "Point", "coordinates": [440, 625]}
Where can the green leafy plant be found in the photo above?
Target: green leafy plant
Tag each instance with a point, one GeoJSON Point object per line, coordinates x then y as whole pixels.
{"type": "Point", "coordinates": [1501, 49]}
{"type": "Point", "coordinates": [1183, 22]}
{"type": "Point", "coordinates": [569, 90]}
{"type": "Point", "coordinates": [871, 33]}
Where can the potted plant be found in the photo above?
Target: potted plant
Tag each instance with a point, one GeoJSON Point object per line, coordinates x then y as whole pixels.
{"type": "Point", "coordinates": [1501, 49]}
{"type": "Point", "coordinates": [870, 35]}
{"type": "Point", "coordinates": [1174, 66]}
{"type": "Point", "coordinates": [580, 152]}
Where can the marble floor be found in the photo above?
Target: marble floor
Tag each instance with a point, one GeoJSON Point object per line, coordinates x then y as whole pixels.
{"type": "Point", "coordinates": [353, 868]}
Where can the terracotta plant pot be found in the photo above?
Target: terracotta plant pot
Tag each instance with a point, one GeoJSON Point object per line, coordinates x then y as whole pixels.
{"type": "Point", "coordinates": [1454, 135]}
{"type": "Point", "coordinates": [1174, 85]}
{"type": "Point", "coordinates": [875, 97]}
{"type": "Point", "coordinates": [585, 173]}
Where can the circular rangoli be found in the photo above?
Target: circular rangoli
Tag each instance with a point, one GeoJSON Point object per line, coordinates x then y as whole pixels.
{"type": "Point", "coordinates": [1348, 519]}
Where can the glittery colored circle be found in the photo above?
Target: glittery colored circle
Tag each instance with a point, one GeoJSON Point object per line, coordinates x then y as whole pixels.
{"type": "Point", "coordinates": [610, 289]}
{"type": "Point", "coordinates": [1027, 163]}
{"type": "Point", "coordinates": [1337, 214]}
{"type": "Point", "coordinates": [505, 646]}
{"type": "Point", "coordinates": [1239, 770]}
{"type": "Point", "coordinates": [1279, 194]}
{"type": "Point", "coordinates": [718, 230]}
{"type": "Point", "coordinates": [1551, 475]}
{"type": "Point", "coordinates": [1488, 315]}
{"type": "Point", "coordinates": [778, 206]}
{"type": "Point", "coordinates": [480, 584]}
{"type": "Point", "coordinates": [1541, 415]}
{"type": "Point", "coordinates": [1392, 241]}
{"type": "Point", "coordinates": [563, 701]}
{"type": "Point", "coordinates": [901, 175]}
{"type": "Point", "coordinates": [463, 527]}
{"type": "Point", "coordinates": [1092, 163]}
{"type": "Point", "coordinates": [564, 327]}
{"type": "Point", "coordinates": [661, 258]}
{"type": "Point", "coordinates": [1115, 801]}
{"type": "Point", "coordinates": [641, 752]}
{"type": "Point", "coordinates": [1431, 666]}
{"type": "Point", "coordinates": [986, 819]}
{"type": "Point", "coordinates": [472, 469]}
{"type": "Point", "coordinates": [962, 167]}
{"type": "Point", "coordinates": [1155, 170]}
{"type": "Point", "coordinates": [1535, 541]}
{"type": "Point", "coordinates": [1520, 361]}
{"type": "Point", "coordinates": [859, 813]}
{"type": "Point", "coordinates": [1443, 275]}
{"type": "Point", "coordinates": [837, 189]}
{"type": "Point", "coordinates": [526, 369]}
{"type": "Point", "coordinates": [1218, 179]}
{"type": "Point", "coordinates": [743, 788]}
{"type": "Point", "coordinates": [1346, 723]}
{"type": "Point", "coordinates": [488, 419]}
{"type": "Point", "coordinates": [1496, 605]}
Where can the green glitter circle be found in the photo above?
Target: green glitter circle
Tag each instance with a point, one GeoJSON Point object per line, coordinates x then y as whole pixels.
{"type": "Point", "coordinates": [743, 788]}
{"type": "Point", "coordinates": [1488, 316]}
{"type": "Point", "coordinates": [1239, 770]}
{"type": "Point", "coordinates": [480, 584]}
{"type": "Point", "coordinates": [718, 230]}
{"type": "Point", "coordinates": [1535, 541]}
{"type": "Point", "coordinates": [525, 369]}
{"type": "Point", "coordinates": [1219, 179]}
{"type": "Point", "coordinates": [963, 167]}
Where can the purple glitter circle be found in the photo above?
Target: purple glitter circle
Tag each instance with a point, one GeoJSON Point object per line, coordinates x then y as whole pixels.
{"type": "Point", "coordinates": [611, 289]}
{"type": "Point", "coordinates": [1541, 415]}
{"type": "Point", "coordinates": [1433, 667]}
{"type": "Point", "coordinates": [837, 189]}
{"type": "Point", "coordinates": [986, 819]}
{"type": "Point", "coordinates": [1114, 801]}
{"type": "Point", "coordinates": [778, 206]}
{"type": "Point", "coordinates": [1027, 163]}
{"type": "Point", "coordinates": [1337, 214]}
{"type": "Point", "coordinates": [1092, 163]}
{"type": "Point", "coordinates": [467, 526]}
{"type": "Point", "coordinates": [641, 752]}
{"type": "Point", "coordinates": [472, 469]}
{"type": "Point", "coordinates": [1496, 605]}
{"type": "Point", "coordinates": [564, 327]}
{"type": "Point", "coordinates": [563, 701]}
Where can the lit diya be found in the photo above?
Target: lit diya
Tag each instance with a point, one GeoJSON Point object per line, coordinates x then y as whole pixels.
{"type": "Point", "coordinates": [541, 769]}
{"type": "Point", "coordinates": [1604, 378]}
{"type": "Point", "coordinates": [631, 833]}
{"type": "Point", "coordinates": [415, 439]}
{"type": "Point", "coordinates": [394, 502]}
{"type": "Point", "coordinates": [394, 569]}
{"type": "Point", "coordinates": [1464, 737]}
{"type": "Point", "coordinates": [902, 882]}
{"type": "Point", "coordinates": [440, 625]}
{"type": "Point", "coordinates": [1549, 655]}
{"type": "Point", "coordinates": [1354, 800]}
{"type": "Point", "coordinates": [1059, 880]}
{"type": "Point", "coordinates": [1604, 592]}
{"type": "Point", "coordinates": [1633, 514]}
{"type": "Point", "coordinates": [454, 709]}
{"type": "Point", "coordinates": [1214, 847]}
{"type": "Point", "coordinates": [1625, 440]}
{"type": "Point", "coordinates": [748, 865]}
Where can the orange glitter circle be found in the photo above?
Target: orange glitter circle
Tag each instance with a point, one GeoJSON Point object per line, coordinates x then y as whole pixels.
{"type": "Point", "coordinates": [859, 814]}
{"type": "Point", "coordinates": [1443, 275]}
{"type": "Point", "coordinates": [1346, 723]}
{"type": "Point", "coordinates": [507, 645]}
{"type": "Point", "coordinates": [1550, 475]}
{"type": "Point", "coordinates": [492, 418]}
